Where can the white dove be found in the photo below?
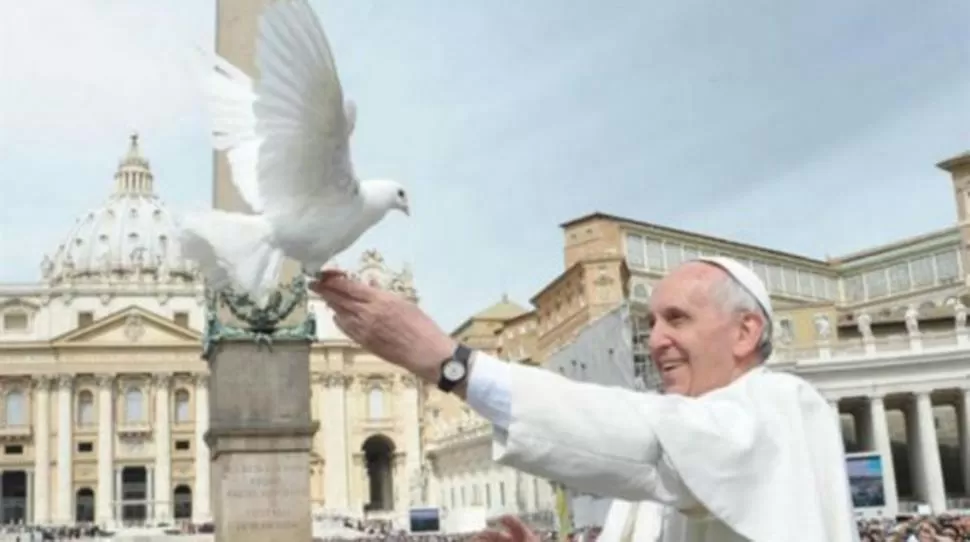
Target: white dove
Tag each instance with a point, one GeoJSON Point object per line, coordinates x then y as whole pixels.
{"type": "Point", "coordinates": [287, 139]}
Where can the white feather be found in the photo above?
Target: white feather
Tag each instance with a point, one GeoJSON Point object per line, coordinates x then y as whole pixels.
{"type": "Point", "coordinates": [301, 114]}
{"type": "Point", "coordinates": [287, 139]}
{"type": "Point", "coordinates": [231, 99]}
{"type": "Point", "coordinates": [216, 238]}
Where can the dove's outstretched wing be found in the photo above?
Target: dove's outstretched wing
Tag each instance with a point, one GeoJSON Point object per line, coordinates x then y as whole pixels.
{"type": "Point", "coordinates": [231, 98]}
{"type": "Point", "coordinates": [302, 120]}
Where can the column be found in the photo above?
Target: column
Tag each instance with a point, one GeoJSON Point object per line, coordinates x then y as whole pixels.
{"type": "Point", "coordinates": [318, 411]}
{"type": "Point", "coordinates": [105, 494]}
{"type": "Point", "coordinates": [935, 491]}
{"type": "Point", "coordinates": [963, 419]}
{"type": "Point", "coordinates": [119, 493]}
{"type": "Point", "coordinates": [200, 493]}
{"type": "Point", "coordinates": [834, 403]}
{"type": "Point", "coordinates": [412, 434]}
{"type": "Point", "coordinates": [42, 450]}
{"type": "Point", "coordinates": [29, 505]}
{"type": "Point", "coordinates": [433, 491]}
{"type": "Point", "coordinates": [335, 467]}
{"type": "Point", "coordinates": [150, 492]}
{"type": "Point", "coordinates": [883, 445]}
{"type": "Point", "coordinates": [65, 437]}
{"type": "Point", "coordinates": [163, 449]}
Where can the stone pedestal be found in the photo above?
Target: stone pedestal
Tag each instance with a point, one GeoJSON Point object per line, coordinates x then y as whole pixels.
{"type": "Point", "coordinates": [260, 437]}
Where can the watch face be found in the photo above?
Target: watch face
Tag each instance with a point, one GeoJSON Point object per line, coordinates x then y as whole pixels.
{"type": "Point", "coordinates": [454, 370]}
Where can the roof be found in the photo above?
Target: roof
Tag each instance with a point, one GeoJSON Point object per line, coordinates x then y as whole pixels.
{"type": "Point", "coordinates": [569, 271]}
{"type": "Point", "coordinates": [900, 244]}
{"type": "Point", "coordinates": [709, 238]}
{"type": "Point", "coordinates": [132, 235]}
{"type": "Point", "coordinates": [950, 164]}
{"type": "Point", "coordinates": [505, 309]}
{"type": "Point", "coordinates": [502, 311]}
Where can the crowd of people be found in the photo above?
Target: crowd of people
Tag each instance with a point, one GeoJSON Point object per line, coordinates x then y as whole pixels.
{"type": "Point", "coordinates": [943, 528]}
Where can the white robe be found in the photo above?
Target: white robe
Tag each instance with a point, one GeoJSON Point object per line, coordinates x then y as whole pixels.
{"type": "Point", "coordinates": [761, 459]}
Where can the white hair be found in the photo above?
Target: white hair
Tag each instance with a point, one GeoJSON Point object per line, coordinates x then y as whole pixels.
{"type": "Point", "coordinates": [731, 296]}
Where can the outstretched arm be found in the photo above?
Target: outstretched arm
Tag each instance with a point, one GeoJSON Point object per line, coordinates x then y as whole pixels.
{"type": "Point", "coordinates": [585, 436]}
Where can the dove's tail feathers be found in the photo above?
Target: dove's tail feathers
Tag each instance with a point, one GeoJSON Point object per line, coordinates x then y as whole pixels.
{"type": "Point", "coordinates": [233, 249]}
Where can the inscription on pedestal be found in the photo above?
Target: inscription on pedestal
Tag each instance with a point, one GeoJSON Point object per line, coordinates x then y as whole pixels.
{"type": "Point", "coordinates": [266, 496]}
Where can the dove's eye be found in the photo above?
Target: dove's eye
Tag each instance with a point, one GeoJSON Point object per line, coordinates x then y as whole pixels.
{"type": "Point", "coordinates": [400, 193]}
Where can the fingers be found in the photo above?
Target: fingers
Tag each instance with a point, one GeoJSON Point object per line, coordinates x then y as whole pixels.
{"type": "Point", "coordinates": [324, 274]}
{"type": "Point", "coordinates": [337, 282]}
{"type": "Point", "coordinates": [340, 303]}
{"type": "Point", "coordinates": [517, 529]}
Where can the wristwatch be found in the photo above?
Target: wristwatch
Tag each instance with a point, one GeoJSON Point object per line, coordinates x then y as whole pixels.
{"type": "Point", "coordinates": [454, 369]}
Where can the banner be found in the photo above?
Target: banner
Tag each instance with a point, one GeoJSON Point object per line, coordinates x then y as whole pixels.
{"type": "Point", "coordinates": [562, 513]}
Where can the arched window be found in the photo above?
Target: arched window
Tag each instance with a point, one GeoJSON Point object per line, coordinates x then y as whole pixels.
{"type": "Point", "coordinates": [375, 403]}
{"type": "Point", "coordinates": [85, 408]}
{"type": "Point", "coordinates": [182, 406]}
{"type": "Point", "coordinates": [15, 408]}
{"type": "Point", "coordinates": [134, 406]}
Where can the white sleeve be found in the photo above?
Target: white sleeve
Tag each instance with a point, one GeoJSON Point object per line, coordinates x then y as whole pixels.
{"type": "Point", "coordinates": [488, 391]}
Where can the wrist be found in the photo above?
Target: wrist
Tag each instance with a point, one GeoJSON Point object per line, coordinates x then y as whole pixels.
{"type": "Point", "coordinates": [429, 367]}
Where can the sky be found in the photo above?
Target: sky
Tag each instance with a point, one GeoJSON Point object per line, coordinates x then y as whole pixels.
{"type": "Point", "coordinates": [809, 127]}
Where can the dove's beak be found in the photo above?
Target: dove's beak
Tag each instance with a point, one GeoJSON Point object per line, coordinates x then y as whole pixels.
{"type": "Point", "coordinates": [406, 210]}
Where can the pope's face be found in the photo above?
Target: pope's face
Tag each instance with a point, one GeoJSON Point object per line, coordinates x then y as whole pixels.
{"type": "Point", "coordinates": [694, 342]}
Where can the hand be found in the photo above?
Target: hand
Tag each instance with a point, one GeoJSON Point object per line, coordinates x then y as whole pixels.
{"type": "Point", "coordinates": [516, 531]}
{"type": "Point", "coordinates": [386, 324]}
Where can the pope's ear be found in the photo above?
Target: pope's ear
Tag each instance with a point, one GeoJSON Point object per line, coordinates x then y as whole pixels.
{"type": "Point", "coordinates": [749, 335]}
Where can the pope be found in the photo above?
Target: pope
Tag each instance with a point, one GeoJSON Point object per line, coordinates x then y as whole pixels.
{"type": "Point", "coordinates": [730, 451]}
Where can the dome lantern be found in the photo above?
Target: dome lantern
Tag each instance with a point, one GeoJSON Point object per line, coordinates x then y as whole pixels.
{"type": "Point", "coordinates": [134, 176]}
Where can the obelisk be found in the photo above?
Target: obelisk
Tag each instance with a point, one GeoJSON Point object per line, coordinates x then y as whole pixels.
{"type": "Point", "coordinates": [260, 428]}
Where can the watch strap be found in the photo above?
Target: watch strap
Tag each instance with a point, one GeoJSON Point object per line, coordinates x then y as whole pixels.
{"type": "Point", "coordinates": [462, 355]}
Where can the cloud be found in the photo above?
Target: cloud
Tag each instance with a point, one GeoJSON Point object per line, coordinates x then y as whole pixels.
{"type": "Point", "coordinates": [771, 122]}
{"type": "Point", "coordinates": [83, 70]}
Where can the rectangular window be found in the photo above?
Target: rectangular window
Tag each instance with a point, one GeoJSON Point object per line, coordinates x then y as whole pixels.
{"type": "Point", "coordinates": [947, 267]}
{"type": "Point", "coordinates": [899, 278]}
{"type": "Point", "coordinates": [775, 282]}
{"type": "Point", "coordinates": [673, 254]}
{"type": "Point", "coordinates": [854, 289]}
{"type": "Point", "coordinates": [876, 284]}
{"type": "Point", "coordinates": [655, 255]}
{"type": "Point", "coordinates": [921, 271]}
{"type": "Point", "coordinates": [634, 250]}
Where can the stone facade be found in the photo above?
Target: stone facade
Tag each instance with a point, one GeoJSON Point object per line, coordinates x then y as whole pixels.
{"type": "Point", "coordinates": [105, 397]}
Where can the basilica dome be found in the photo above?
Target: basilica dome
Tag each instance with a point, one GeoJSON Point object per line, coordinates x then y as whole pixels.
{"type": "Point", "coordinates": [130, 238]}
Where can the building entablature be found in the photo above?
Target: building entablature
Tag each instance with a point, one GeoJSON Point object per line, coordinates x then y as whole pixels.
{"type": "Point", "coordinates": [885, 373]}
{"type": "Point", "coordinates": [935, 302]}
{"type": "Point", "coordinates": [45, 293]}
{"type": "Point", "coordinates": [461, 434]}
